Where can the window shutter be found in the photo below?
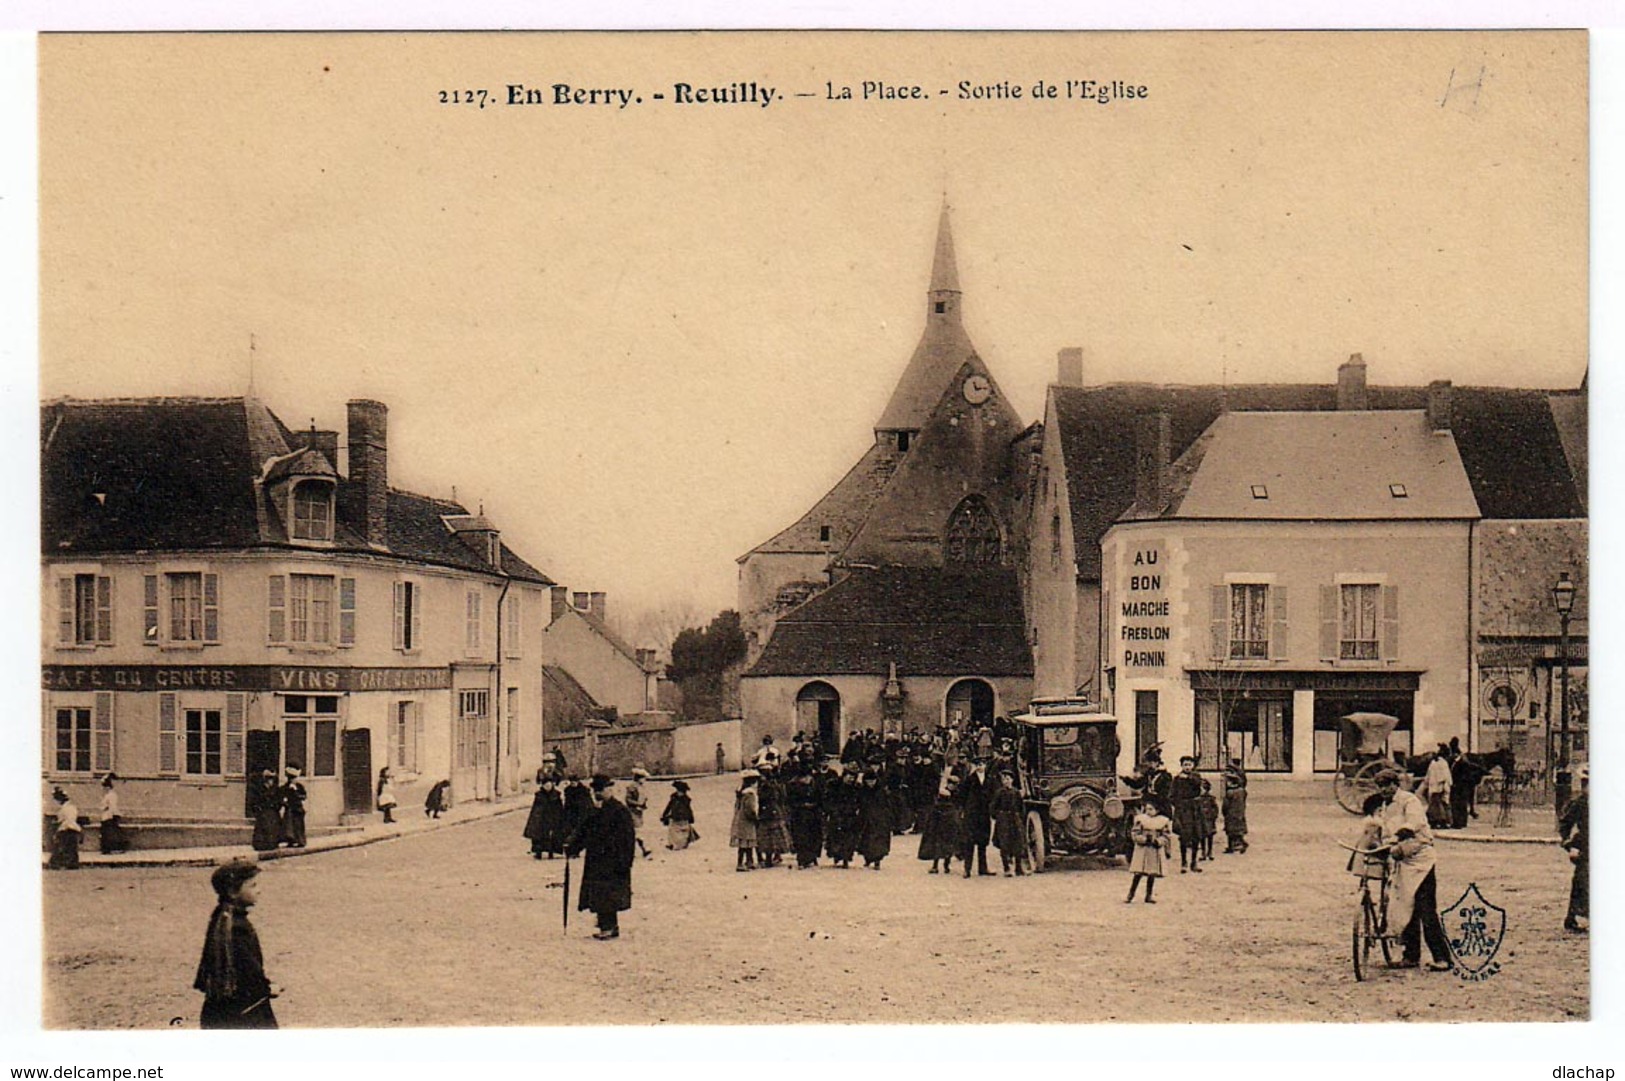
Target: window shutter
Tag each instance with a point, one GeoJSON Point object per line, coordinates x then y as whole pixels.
{"type": "Point", "coordinates": [400, 615]}
{"type": "Point", "coordinates": [104, 610]}
{"type": "Point", "coordinates": [1278, 623]}
{"type": "Point", "coordinates": [1390, 623]}
{"type": "Point", "coordinates": [64, 611]}
{"type": "Point", "coordinates": [1328, 623]}
{"type": "Point", "coordinates": [514, 621]}
{"type": "Point", "coordinates": [149, 609]}
{"type": "Point", "coordinates": [1219, 625]}
{"type": "Point", "coordinates": [102, 741]}
{"type": "Point", "coordinates": [211, 608]}
{"type": "Point", "coordinates": [236, 711]}
{"type": "Point", "coordinates": [417, 614]}
{"type": "Point", "coordinates": [167, 738]}
{"type": "Point", "coordinates": [417, 737]}
{"type": "Point", "coordinates": [278, 608]}
{"type": "Point", "coordinates": [47, 742]}
{"type": "Point", "coordinates": [346, 611]}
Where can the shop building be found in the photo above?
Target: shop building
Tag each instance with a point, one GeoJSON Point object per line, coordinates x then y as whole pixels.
{"type": "Point", "coordinates": [220, 597]}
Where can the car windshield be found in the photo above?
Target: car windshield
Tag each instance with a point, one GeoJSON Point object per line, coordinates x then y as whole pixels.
{"type": "Point", "coordinates": [1079, 749]}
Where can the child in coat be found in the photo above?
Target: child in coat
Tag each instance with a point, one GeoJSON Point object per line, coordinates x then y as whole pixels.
{"type": "Point", "coordinates": [1208, 804]}
{"type": "Point", "coordinates": [678, 818]}
{"type": "Point", "coordinates": [742, 832]}
{"type": "Point", "coordinates": [1152, 844]}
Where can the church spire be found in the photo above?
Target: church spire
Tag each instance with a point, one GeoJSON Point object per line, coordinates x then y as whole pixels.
{"type": "Point", "coordinates": [944, 292]}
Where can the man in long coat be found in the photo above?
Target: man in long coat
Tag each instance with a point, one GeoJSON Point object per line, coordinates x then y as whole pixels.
{"type": "Point", "coordinates": [609, 840]}
{"type": "Point", "coordinates": [1574, 827]}
{"type": "Point", "coordinates": [976, 818]}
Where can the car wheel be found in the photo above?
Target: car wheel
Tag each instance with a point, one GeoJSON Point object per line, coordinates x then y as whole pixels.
{"type": "Point", "coordinates": [1036, 846]}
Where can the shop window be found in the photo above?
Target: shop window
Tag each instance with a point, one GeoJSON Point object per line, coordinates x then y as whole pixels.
{"type": "Point", "coordinates": [1235, 724]}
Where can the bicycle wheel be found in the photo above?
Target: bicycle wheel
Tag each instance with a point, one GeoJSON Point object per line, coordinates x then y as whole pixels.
{"type": "Point", "coordinates": [1365, 933]}
{"type": "Point", "coordinates": [1379, 928]}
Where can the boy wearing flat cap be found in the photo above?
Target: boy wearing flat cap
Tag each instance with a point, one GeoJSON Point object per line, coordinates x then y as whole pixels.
{"type": "Point", "coordinates": [231, 972]}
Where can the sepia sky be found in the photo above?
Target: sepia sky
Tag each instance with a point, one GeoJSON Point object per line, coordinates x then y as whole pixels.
{"type": "Point", "coordinates": [648, 338]}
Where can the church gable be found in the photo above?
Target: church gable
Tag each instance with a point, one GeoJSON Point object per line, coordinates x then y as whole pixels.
{"type": "Point", "coordinates": [963, 449]}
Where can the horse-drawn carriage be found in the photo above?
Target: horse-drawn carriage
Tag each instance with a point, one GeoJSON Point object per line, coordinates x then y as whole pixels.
{"type": "Point", "coordinates": [1362, 754]}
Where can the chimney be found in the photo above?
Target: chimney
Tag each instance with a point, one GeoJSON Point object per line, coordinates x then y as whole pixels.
{"type": "Point", "coordinates": [367, 507]}
{"type": "Point", "coordinates": [1351, 384]}
{"type": "Point", "coordinates": [581, 602]}
{"type": "Point", "coordinates": [1069, 367]}
{"type": "Point", "coordinates": [1151, 451]}
{"type": "Point", "coordinates": [327, 443]}
{"type": "Point", "coordinates": [598, 606]}
{"type": "Point", "coordinates": [560, 598]}
{"type": "Point", "coordinates": [1439, 395]}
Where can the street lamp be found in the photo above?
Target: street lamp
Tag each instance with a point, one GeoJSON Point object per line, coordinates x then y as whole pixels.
{"type": "Point", "coordinates": [1563, 600]}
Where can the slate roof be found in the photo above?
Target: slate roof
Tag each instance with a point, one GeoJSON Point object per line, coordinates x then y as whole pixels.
{"type": "Point", "coordinates": [844, 509]}
{"type": "Point", "coordinates": [928, 620]}
{"type": "Point", "coordinates": [158, 474]}
{"type": "Point", "coordinates": [1509, 444]}
{"type": "Point", "coordinates": [1326, 465]}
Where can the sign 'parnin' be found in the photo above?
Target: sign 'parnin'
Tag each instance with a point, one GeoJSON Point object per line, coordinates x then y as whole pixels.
{"type": "Point", "coordinates": [1143, 623]}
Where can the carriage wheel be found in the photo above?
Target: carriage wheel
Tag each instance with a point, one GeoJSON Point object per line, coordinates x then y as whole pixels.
{"type": "Point", "coordinates": [1353, 791]}
{"type": "Point", "coordinates": [1035, 842]}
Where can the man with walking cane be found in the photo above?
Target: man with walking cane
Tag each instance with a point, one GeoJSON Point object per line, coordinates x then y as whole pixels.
{"type": "Point", "coordinates": [609, 841]}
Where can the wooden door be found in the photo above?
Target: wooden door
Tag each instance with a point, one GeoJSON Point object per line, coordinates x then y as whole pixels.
{"type": "Point", "coordinates": [264, 752]}
{"type": "Point", "coordinates": [356, 766]}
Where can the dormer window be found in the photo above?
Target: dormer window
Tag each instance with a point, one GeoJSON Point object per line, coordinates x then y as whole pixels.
{"type": "Point", "coordinates": [313, 511]}
{"type": "Point", "coordinates": [903, 441]}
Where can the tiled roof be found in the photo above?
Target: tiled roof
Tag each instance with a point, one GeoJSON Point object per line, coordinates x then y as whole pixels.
{"type": "Point", "coordinates": [565, 702]}
{"type": "Point", "coordinates": [1325, 465]}
{"type": "Point", "coordinates": [1508, 442]}
{"type": "Point", "coordinates": [157, 474]}
{"type": "Point", "coordinates": [928, 621]}
{"type": "Point", "coordinates": [843, 510]}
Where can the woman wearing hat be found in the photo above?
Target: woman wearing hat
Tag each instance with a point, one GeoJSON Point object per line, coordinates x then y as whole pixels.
{"type": "Point", "coordinates": [842, 818]}
{"type": "Point", "coordinates": [544, 825]}
{"type": "Point", "coordinates": [742, 831]}
{"type": "Point", "coordinates": [65, 841]}
{"type": "Point", "coordinates": [678, 818]}
{"type": "Point", "coordinates": [293, 810]}
{"type": "Point", "coordinates": [231, 972]}
{"type": "Point", "coordinates": [940, 840]}
{"type": "Point", "coordinates": [772, 826]}
{"type": "Point", "coordinates": [113, 838]}
{"type": "Point", "coordinates": [265, 806]}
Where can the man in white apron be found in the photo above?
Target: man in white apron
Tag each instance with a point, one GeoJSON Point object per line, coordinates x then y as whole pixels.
{"type": "Point", "coordinates": [1413, 904]}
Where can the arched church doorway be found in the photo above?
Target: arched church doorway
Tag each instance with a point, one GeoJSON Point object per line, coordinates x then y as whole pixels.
{"type": "Point", "coordinates": [818, 713]}
{"type": "Point", "coordinates": [969, 701]}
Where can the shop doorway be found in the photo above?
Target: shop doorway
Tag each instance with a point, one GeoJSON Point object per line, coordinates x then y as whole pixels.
{"type": "Point", "coordinates": [263, 752]}
{"type": "Point", "coordinates": [1332, 706]}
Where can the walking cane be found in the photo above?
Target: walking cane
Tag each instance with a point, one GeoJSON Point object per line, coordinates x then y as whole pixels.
{"type": "Point", "coordinates": [566, 896]}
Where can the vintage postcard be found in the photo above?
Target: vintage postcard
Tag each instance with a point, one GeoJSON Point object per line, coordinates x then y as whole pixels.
{"type": "Point", "coordinates": [813, 528]}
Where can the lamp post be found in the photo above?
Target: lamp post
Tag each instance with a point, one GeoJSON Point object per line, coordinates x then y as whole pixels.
{"type": "Point", "coordinates": [1563, 600]}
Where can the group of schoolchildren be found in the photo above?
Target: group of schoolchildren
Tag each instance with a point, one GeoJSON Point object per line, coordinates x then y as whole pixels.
{"type": "Point", "coordinates": [1182, 806]}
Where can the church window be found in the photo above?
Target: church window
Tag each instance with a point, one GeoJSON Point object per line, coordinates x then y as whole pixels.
{"type": "Point", "coordinates": [974, 538]}
{"type": "Point", "coordinates": [941, 306]}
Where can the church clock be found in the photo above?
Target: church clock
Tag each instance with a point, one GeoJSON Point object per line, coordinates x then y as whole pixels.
{"type": "Point", "coordinates": [977, 389]}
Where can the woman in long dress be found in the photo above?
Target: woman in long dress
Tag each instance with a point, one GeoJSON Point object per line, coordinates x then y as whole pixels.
{"type": "Point", "coordinates": [678, 818]}
{"type": "Point", "coordinates": [265, 803]}
{"type": "Point", "coordinates": [841, 818]}
{"type": "Point", "coordinates": [874, 821]}
{"type": "Point", "coordinates": [113, 838]}
{"type": "Point", "coordinates": [772, 829]}
{"type": "Point", "coordinates": [940, 840]}
{"type": "Point", "coordinates": [544, 827]}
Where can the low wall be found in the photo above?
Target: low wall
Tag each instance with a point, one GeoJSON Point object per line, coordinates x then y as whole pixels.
{"type": "Point", "coordinates": [694, 747]}
{"type": "Point", "coordinates": [661, 747]}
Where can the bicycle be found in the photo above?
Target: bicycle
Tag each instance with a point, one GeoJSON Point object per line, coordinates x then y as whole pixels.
{"type": "Point", "coordinates": [1371, 921]}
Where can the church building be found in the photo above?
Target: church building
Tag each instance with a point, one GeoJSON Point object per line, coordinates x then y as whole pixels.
{"type": "Point", "coordinates": [894, 603]}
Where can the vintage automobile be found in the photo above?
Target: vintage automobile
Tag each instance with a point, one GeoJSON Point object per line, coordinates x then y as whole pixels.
{"type": "Point", "coordinates": [1066, 766]}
